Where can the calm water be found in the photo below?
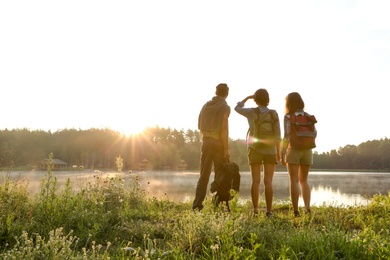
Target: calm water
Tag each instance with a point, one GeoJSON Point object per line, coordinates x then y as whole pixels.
{"type": "Point", "coordinates": [328, 188]}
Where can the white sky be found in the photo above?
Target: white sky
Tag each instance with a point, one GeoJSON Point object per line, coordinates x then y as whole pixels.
{"type": "Point", "coordinates": [127, 65]}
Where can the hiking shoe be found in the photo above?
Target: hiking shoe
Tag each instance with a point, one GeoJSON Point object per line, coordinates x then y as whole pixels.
{"type": "Point", "coordinates": [308, 211]}
{"type": "Point", "coordinates": [255, 213]}
{"type": "Point", "coordinates": [296, 214]}
{"type": "Point", "coordinates": [269, 214]}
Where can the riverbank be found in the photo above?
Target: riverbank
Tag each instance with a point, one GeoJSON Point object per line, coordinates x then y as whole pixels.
{"type": "Point", "coordinates": [328, 188]}
{"type": "Point", "coordinates": [101, 219]}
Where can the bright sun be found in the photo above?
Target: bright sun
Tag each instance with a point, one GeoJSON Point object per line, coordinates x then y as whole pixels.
{"type": "Point", "coordinates": [131, 124]}
{"type": "Point", "coordinates": [129, 130]}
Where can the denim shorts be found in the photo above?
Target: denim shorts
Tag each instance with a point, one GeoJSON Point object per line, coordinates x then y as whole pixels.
{"type": "Point", "coordinates": [255, 157]}
{"type": "Point", "coordinates": [295, 156]}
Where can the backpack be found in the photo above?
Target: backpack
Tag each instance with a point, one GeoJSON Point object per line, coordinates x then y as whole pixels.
{"type": "Point", "coordinates": [226, 178]}
{"type": "Point", "coordinates": [303, 131]}
{"type": "Point", "coordinates": [264, 128]}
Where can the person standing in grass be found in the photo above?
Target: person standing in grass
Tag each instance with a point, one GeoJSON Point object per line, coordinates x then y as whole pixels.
{"type": "Point", "coordinates": [261, 152]}
{"type": "Point", "coordinates": [214, 128]}
{"type": "Point", "coordinates": [298, 160]}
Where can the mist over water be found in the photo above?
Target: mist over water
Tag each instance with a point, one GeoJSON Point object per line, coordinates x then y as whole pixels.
{"type": "Point", "coordinates": [328, 188]}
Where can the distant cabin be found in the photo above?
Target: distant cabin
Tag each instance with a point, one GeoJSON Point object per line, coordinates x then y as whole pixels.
{"type": "Point", "coordinates": [57, 164]}
{"type": "Point", "coordinates": [182, 166]}
{"type": "Point", "coordinates": [144, 165]}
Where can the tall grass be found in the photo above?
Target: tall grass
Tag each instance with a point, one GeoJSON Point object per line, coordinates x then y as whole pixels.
{"type": "Point", "coordinates": [113, 218]}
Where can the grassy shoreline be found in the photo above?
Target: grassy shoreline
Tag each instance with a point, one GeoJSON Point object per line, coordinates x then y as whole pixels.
{"type": "Point", "coordinates": [279, 168]}
{"type": "Point", "coordinates": [104, 220]}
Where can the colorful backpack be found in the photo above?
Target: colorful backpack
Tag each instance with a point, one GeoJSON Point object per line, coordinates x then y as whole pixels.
{"type": "Point", "coordinates": [264, 133]}
{"type": "Point", "coordinates": [303, 131]}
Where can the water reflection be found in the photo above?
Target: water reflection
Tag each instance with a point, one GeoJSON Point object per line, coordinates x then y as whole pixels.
{"type": "Point", "coordinates": [328, 188]}
{"type": "Point", "coordinates": [322, 196]}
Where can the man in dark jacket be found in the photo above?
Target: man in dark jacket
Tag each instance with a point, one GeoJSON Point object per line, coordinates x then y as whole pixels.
{"type": "Point", "coordinates": [214, 128]}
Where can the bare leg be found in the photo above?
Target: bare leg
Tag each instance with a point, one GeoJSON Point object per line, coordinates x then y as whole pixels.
{"type": "Point", "coordinates": [305, 188]}
{"type": "Point", "coordinates": [294, 188]}
{"type": "Point", "coordinates": [255, 188]}
{"type": "Point", "coordinates": [269, 170]}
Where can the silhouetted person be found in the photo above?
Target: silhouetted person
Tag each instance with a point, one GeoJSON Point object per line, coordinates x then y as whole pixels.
{"type": "Point", "coordinates": [264, 150]}
{"type": "Point", "coordinates": [297, 157]}
{"type": "Point", "coordinates": [214, 128]}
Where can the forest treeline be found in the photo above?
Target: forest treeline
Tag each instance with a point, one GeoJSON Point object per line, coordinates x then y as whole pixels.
{"type": "Point", "coordinates": [161, 147]}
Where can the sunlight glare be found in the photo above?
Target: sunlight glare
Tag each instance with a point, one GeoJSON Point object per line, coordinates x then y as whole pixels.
{"type": "Point", "coordinates": [132, 129]}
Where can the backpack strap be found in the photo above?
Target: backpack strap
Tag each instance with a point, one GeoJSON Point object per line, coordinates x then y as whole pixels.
{"type": "Point", "coordinates": [273, 120]}
{"type": "Point", "coordinates": [292, 118]}
{"type": "Point", "coordinates": [257, 112]}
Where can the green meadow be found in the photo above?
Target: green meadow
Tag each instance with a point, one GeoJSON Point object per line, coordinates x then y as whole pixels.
{"type": "Point", "coordinates": [112, 218]}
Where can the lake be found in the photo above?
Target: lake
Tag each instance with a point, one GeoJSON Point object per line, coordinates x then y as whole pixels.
{"type": "Point", "coordinates": [337, 189]}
